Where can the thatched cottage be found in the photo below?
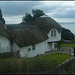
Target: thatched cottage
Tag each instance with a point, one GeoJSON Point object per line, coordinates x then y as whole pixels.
{"type": "Point", "coordinates": [31, 38]}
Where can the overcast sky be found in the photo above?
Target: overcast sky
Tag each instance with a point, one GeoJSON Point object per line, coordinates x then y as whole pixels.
{"type": "Point", "coordinates": [61, 11]}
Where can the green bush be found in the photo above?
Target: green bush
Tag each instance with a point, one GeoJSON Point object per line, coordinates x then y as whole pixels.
{"type": "Point", "coordinates": [9, 66]}
{"type": "Point", "coordinates": [6, 55]}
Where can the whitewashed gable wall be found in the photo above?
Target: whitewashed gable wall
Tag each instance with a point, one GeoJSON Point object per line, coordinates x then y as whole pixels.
{"type": "Point", "coordinates": [55, 38]}
{"type": "Point", "coordinates": [15, 47]}
{"type": "Point", "coordinates": [40, 48]}
{"type": "Point", "coordinates": [5, 45]}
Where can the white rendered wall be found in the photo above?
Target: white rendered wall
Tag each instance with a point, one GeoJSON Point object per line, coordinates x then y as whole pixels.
{"type": "Point", "coordinates": [40, 48]}
{"type": "Point", "coordinates": [5, 45]}
{"type": "Point", "coordinates": [15, 47]}
{"type": "Point", "coordinates": [55, 38]}
{"type": "Point", "coordinates": [50, 46]}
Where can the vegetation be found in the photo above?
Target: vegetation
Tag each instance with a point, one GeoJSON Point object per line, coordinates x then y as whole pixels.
{"type": "Point", "coordinates": [74, 39]}
{"type": "Point", "coordinates": [1, 17]}
{"type": "Point", "coordinates": [36, 13]}
{"type": "Point", "coordinates": [6, 55]}
{"type": "Point", "coordinates": [67, 45]}
{"type": "Point", "coordinates": [38, 64]}
{"type": "Point", "coordinates": [67, 34]}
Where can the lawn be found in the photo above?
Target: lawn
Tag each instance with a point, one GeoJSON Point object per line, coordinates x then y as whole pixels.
{"type": "Point", "coordinates": [67, 45]}
{"type": "Point", "coordinates": [37, 64]}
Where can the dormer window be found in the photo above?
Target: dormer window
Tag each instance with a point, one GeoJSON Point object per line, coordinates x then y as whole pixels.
{"type": "Point", "coordinates": [53, 33]}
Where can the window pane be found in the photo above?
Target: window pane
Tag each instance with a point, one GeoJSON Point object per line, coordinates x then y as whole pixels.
{"type": "Point", "coordinates": [0, 44]}
{"type": "Point", "coordinates": [52, 33]}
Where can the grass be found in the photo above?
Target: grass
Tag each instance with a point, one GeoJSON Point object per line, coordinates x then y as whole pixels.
{"type": "Point", "coordinates": [32, 65]}
{"type": "Point", "coordinates": [67, 45]}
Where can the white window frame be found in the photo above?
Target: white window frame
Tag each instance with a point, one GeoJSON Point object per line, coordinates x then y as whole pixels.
{"type": "Point", "coordinates": [53, 33]}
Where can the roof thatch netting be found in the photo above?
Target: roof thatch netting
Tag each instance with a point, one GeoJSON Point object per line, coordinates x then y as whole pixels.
{"type": "Point", "coordinates": [27, 36]}
{"type": "Point", "coordinates": [46, 23]}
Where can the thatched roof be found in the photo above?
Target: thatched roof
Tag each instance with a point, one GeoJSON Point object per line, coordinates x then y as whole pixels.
{"type": "Point", "coordinates": [3, 31]}
{"type": "Point", "coordinates": [25, 35]}
{"type": "Point", "coordinates": [46, 23]}
{"type": "Point", "coordinates": [28, 33]}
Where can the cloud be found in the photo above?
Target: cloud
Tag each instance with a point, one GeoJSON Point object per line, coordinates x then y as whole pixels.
{"type": "Point", "coordinates": [14, 19]}
{"type": "Point", "coordinates": [64, 19]}
{"type": "Point", "coordinates": [63, 10]}
{"type": "Point", "coordinates": [58, 9]}
{"type": "Point", "coordinates": [13, 8]}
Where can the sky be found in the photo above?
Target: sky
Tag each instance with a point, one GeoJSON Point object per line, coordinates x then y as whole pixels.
{"type": "Point", "coordinates": [61, 11]}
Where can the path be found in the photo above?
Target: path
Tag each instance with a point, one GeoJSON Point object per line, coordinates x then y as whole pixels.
{"type": "Point", "coordinates": [68, 50]}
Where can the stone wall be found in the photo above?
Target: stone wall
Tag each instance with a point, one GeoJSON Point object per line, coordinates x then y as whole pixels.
{"type": "Point", "coordinates": [67, 67]}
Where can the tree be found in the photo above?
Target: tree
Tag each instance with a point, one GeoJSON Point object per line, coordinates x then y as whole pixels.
{"type": "Point", "coordinates": [27, 17]}
{"type": "Point", "coordinates": [74, 39]}
{"type": "Point", "coordinates": [1, 17]}
{"type": "Point", "coordinates": [36, 13]}
{"type": "Point", "coordinates": [67, 34]}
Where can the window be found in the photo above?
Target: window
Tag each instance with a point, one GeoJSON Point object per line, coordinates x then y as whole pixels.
{"type": "Point", "coordinates": [0, 44]}
{"type": "Point", "coordinates": [33, 47]}
{"type": "Point", "coordinates": [53, 33]}
{"type": "Point", "coordinates": [29, 49]}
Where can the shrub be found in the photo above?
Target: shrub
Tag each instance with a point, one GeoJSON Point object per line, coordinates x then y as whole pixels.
{"type": "Point", "coordinates": [6, 55]}
{"type": "Point", "coordinates": [10, 65]}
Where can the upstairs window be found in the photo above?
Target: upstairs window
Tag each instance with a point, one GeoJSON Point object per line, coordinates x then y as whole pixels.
{"type": "Point", "coordinates": [53, 33]}
{"type": "Point", "coordinates": [0, 44]}
{"type": "Point", "coordinates": [33, 47]}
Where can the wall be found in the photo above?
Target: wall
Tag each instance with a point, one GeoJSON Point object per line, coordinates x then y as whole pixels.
{"type": "Point", "coordinates": [5, 45]}
{"type": "Point", "coordinates": [56, 38]}
{"type": "Point", "coordinates": [50, 46]}
{"type": "Point", "coordinates": [66, 67]}
{"type": "Point", "coordinates": [40, 48]}
{"type": "Point", "coordinates": [15, 47]}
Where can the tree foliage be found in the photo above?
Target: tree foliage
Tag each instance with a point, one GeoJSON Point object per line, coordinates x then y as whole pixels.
{"type": "Point", "coordinates": [1, 17]}
{"type": "Point", "coordinates": [27, 17]}
{"type": "Point", "coordinates": [35, 14]}
{"type": "Point", "coordinates": [67, 34]}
